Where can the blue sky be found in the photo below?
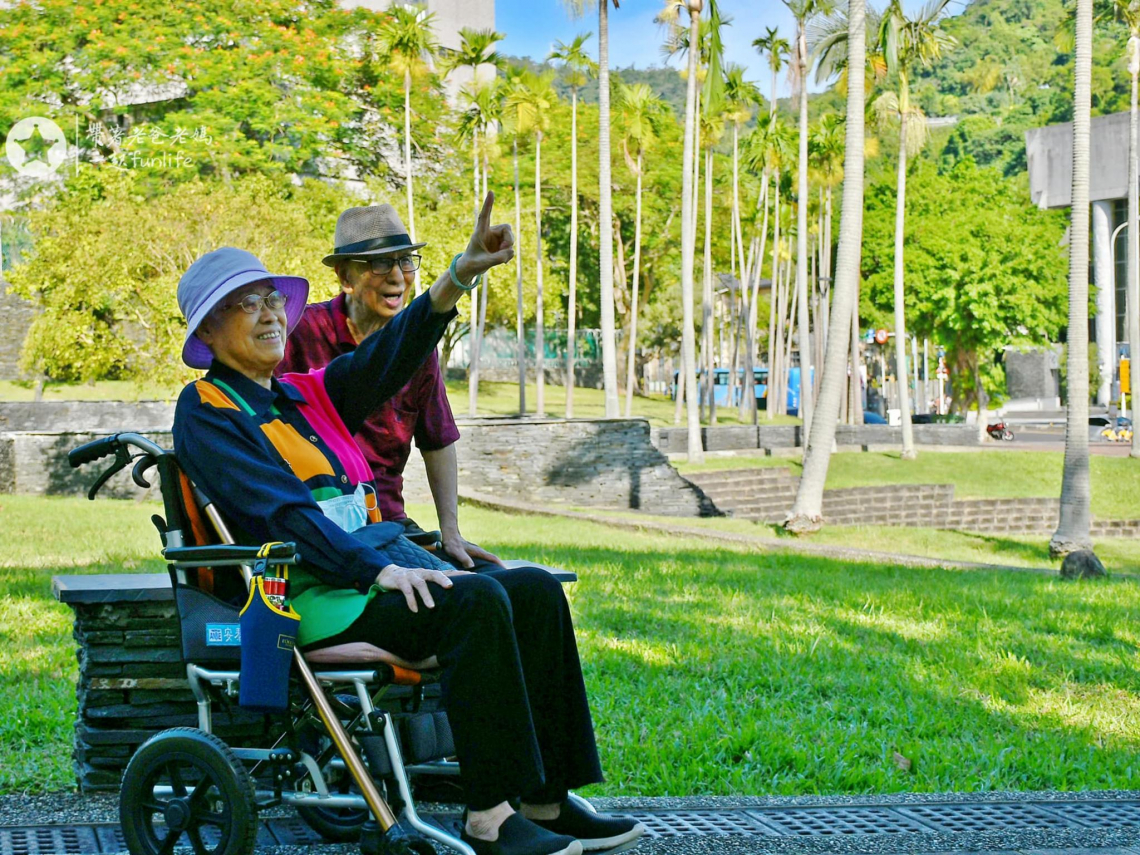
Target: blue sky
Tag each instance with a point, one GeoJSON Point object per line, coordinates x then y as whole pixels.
{"type": "Point", "coordinates": [531, 26]}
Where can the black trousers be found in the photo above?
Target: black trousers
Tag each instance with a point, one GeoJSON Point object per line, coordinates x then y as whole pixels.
{"type": "Point", "coordinates": [512, 681]}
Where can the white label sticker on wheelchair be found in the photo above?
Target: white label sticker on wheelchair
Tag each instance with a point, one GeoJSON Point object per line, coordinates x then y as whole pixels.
{"type": "Point", "coordinates": [223, 635]}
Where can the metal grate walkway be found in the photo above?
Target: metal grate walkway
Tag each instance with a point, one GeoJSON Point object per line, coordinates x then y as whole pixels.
{"type": "Point", "coordinates": [809, 822]}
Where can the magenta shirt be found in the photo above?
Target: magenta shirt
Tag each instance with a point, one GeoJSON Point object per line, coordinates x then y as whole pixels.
{"type": "Point", "coordinates": [419, 411]}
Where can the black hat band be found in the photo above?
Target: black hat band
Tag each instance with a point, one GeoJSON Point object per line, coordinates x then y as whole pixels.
{"type": "Point", "coordinates": [372, 243]}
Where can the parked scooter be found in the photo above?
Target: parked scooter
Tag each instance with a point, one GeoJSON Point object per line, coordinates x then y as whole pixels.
{"type": "Point", "coordinates": [999, 431]}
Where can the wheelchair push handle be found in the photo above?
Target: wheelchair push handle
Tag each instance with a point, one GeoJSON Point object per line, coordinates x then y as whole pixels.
{"type": "Point", "coordinates": [120, 445]}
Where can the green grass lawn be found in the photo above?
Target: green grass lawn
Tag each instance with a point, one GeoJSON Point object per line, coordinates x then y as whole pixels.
{"type": "Point", "coordinates": [974, 474]}
{"type": "Point", "coordinates": [711, 670]}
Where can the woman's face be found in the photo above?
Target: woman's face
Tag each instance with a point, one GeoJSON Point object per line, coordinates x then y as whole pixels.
{"type": "Point", "coordinates": [252, 343]}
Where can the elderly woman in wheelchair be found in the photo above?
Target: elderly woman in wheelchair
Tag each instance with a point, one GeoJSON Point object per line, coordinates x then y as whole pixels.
{"type": "Point", "coordinates": [276, 457]}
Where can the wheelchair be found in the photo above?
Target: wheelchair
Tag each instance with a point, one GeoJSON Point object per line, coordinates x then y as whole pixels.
{"type": "Point", "coordinates": [361, 721]}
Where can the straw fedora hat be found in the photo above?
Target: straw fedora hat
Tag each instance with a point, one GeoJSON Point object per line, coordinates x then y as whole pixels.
{"type": "Point", "coordinates": [372, 230]}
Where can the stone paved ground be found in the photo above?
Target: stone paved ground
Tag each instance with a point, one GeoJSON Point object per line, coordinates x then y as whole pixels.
{"type": "Point", "coordinates": [70, 809]}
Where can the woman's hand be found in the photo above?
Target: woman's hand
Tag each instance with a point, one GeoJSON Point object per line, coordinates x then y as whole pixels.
{"type": "Point", "coordinates": [489, 245]}
{"type": "Point", "coordinates": [408, 580]}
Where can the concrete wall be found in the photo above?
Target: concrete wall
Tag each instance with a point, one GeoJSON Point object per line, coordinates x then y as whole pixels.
{"type": "Point", "coordinates": [609, 464]}
{"type": "Point", "coordinates": [1049, 152]}
{"type": "Point", "coordinates": [1032, 373]}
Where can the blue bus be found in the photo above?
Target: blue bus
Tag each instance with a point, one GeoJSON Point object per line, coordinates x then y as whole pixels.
{"type": "Point", "coordinates": [760, 384]}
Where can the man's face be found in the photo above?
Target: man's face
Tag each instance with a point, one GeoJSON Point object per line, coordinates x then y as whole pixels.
{"type": "Point", "coordinates": [384, 295]}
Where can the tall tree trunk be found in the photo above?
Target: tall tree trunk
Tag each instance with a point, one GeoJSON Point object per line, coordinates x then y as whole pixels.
{"type": "Point", "coordinates": [709, 312]}
{"type": "Point", "coordinates": [519, 325]}
{"type": "Point", "coordinates": [572, 307]}
{"type": "Point", "coordinates": [775, 321]}
{"type": "Point", "coordinates": [855, 393]}
{"type": "Point", "coordinates": [631, 373]}
{"type": "Point", "coordinates": [1133, 287]}
{"type": "Point", "coordinates": [806, 514]}
{"type": "Point", "coordinates": [539, 321]}
{"type": "Point", "coordinates": [688, 247]}
{"type": "Point", "coordinates": [408, 162]}
{"type": "Point", "coordinates": [1073, 525]}
{"type": "Point", "coordinates": [806, 379]}
{"type": "Point", "coordinates": [908, 450]}
{"type": "Point", "coordinates": [605, 216]}
{"type": "Point", "coordinates": [486, 283]}
{"type": "Point", "coordinates": [475, 344]}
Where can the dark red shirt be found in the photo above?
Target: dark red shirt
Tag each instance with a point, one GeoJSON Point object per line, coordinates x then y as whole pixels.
{"type": "Point", "coordinates": [419, 411]}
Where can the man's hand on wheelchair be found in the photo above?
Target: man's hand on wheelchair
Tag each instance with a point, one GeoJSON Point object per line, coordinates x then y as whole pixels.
{"type": "Point", "coordinates": [409, 580]}
{"type": "Point", "coordinates": [466, 552]}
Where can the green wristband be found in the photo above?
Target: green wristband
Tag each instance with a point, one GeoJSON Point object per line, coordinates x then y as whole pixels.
{"type": "Point", "coordinates": [455, 279]}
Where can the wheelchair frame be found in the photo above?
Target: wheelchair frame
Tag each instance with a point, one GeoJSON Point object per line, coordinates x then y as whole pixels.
{"type": "Point", "coordinates": [203, 680]}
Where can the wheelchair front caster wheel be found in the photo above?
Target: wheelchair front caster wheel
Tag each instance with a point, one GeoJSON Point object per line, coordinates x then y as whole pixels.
{"type": "Point", "coordinates": [185, 787]}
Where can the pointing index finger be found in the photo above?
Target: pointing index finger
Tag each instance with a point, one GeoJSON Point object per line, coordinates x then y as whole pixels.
{"type": "Point", "coordinates": [485, 213]}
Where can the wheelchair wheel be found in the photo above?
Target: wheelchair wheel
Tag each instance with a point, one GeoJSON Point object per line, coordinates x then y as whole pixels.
{"type": "Point", "coordinates": [336, 825]}
{"type": "Point", "coordinates": [185, 787]}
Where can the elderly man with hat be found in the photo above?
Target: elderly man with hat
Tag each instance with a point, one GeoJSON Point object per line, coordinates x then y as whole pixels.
{"type": "Point", "coordinates": [376, 262]}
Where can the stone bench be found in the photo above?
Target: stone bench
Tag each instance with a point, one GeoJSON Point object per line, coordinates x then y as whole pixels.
{"type": "Point", "coordinates": [132, 681]}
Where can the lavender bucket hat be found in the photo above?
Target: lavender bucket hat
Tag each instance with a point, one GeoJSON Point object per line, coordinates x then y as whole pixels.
{"type": "Point", "coordinates": [219, 273]}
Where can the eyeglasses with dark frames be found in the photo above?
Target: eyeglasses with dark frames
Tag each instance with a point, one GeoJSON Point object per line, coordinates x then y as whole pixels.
{"type": "Point", "coordinates": [383, 266]}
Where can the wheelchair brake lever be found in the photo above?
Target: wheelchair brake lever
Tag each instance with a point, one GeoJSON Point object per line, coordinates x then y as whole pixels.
{"type": "Point", "coordinates": [122, 459]}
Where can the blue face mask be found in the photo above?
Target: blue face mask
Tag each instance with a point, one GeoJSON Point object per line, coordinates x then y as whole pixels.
{"type": "Point", "coordinates": [350, 511]}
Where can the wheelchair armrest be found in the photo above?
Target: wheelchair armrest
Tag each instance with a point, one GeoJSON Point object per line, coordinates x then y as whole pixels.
{"type": "Point", "coordinates": [221, 555]}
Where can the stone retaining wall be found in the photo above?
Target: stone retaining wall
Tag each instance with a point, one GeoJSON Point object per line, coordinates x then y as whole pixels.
{"type": "Point", "coordinates": [596, 463]}
{"type": "Point", "coordinates": [745, 437]}
{"type": "Point", "coordinates": [767, 494]}
{"type": "Point", "coordinates": [132, 683]}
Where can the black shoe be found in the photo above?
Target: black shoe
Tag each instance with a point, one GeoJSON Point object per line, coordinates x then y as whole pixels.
{"type": "Point", "coordinates": [519, 836]}
{"type": "Point", "coordinates": [593, 830]}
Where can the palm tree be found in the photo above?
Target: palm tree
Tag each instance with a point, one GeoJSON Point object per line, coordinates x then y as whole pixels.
{"type": "Point", "coordinates": [1073, 524]}
{"type": "Point", "coordinates": [777, 50]}
{"type": "Point", "coordinates": [605, 201]}
{"type": "Point", "coordinates": [770, 148]}
{"type": "Point", "coordinates": [825, 146]}
{"type": "Point", "coordinates": [806, 512]}
{"type": "Point", "coordinates": [578, 67]}
{"type": "Point", "coordinates": [534, 98]}
{"type": "Point", "coordinates": [740, 96]}
{"type": "Point", "coordinates": [803, 11]}
{"type": "Point", "coordinates": [711, 131]}
{"type": "Point", "coordinates": [642, 114]}
{"type": "Point", "coordinates": [827, 38]}
{"type": "Point", "coordinates": [688, 239]}
{"type": "Point", "coordinates": [484, 112]}
{"type": "Point", "coordinates": [515, 120]}
{"type": "Point", "coordinates": [407, 43]}
{"type": "Point", "coordinates": [907, 43]}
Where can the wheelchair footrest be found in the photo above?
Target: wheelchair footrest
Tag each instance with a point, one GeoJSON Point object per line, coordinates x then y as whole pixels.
{"type": "Point", "coordinates": [424, 737]}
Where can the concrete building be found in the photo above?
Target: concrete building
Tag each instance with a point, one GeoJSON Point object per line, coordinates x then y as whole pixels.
{"type": "Point", "coordinates": [1050, 157]}
{"type": "Point", "coordinates": [450, 17]}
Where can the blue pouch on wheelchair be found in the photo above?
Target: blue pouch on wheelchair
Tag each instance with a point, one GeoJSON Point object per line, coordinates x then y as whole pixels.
{"type": "Point", "coordinates": [268, 636]}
